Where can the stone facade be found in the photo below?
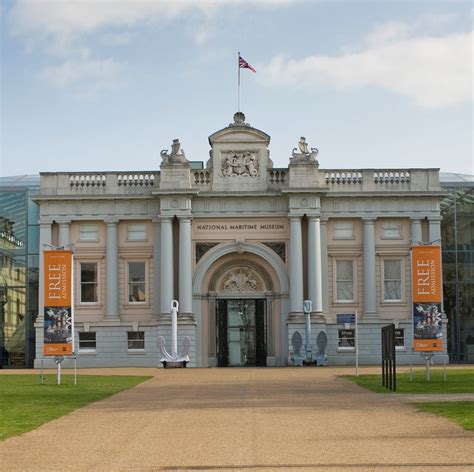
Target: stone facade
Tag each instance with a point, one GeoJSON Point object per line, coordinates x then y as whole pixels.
{"type": "Point", "coordinates": [238, 235]}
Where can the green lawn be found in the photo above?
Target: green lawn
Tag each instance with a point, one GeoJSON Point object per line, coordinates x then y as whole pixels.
{"type": "Point", "coordinates": [25, 403]}
{"type": "Point", "coordinates": [458, 381]}
{"type": "Point", "coordinates": [461, 413]}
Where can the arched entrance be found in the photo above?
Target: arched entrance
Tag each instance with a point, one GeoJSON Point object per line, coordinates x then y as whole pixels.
{"type": "Point", "coordinates": [241, 318]}
{"type": "Point", "coordinates": [241, 304]}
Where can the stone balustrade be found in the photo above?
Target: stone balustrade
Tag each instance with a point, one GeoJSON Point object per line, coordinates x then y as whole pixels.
{"type": "Point", "coordinates": [343, 177]}
{"type": "Point", "coordinates": [328, 180]}
{"type": "Point", "coordinates": [202, 178]}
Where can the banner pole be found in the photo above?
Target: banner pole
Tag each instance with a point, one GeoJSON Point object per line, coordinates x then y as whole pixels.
{"type": "Point", "coordinates": [357, 344]}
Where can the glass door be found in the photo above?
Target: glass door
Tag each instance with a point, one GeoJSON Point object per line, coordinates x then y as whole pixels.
{"type": "Point", "coordinates": [241, 332]}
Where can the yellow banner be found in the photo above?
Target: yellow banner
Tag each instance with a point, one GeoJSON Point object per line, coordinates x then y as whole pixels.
{"type": "Point", "coordinates": [58, 320]}
{"type": "Point", "coordinates": [426, 274]}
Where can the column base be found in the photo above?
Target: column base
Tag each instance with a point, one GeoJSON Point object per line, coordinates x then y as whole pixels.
{"type": "Point", "coordinates": [318, 317]}
{"type": "Point", "coordinates": [372, 316]}
{"type": "Point", "coordinates": [296, 317]}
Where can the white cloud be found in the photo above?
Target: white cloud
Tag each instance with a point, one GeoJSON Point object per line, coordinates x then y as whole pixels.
{"type": "Point", "coordinates": [433, 71]}
{"type": "Point", "coordinates": [60, 27]}
{"type": "Point", "coordinates": [102, 72]}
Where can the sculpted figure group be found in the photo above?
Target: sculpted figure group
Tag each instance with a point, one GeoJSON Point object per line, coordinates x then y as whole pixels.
{"type": "Point", "coordinates": [241, 164]}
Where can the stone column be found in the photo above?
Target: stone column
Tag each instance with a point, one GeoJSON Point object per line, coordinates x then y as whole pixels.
{"type": "Point", "coordinates": [185, 266]}
{"type": "Point", "coordinates": [435, 230]}
{"type": "Point", "coordinates": [416, 231]}
{"type": "Point", "coordinates": [370, 296]}
{"type": "Point", "coordinates": [324, 264]}
{"type": "Point", "coordinates": [156, 267]}
{"type": "Point", "coordinates": [315, 288]}
{"type": "Point", "coordinates": [64, 238]}
{"type": "Point", "coordinates": [296, 267]}
{"type": "Point", "coordinates": [166, 265]}
{"type": "Point", "coordinates": [112, 311]}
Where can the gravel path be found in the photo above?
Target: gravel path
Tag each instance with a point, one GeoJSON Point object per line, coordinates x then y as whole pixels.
{"type": "Point", "coordinates": [279, 419]}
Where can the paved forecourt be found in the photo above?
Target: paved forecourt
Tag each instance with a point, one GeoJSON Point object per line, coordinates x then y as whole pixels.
{"type": "Point", "coordinates": [244, 419]}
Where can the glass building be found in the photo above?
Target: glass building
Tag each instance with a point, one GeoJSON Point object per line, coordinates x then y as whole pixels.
{"type": "Point", "coordinates": [19, 240]}
{"type": "Point", "coordinates": [457, 227]}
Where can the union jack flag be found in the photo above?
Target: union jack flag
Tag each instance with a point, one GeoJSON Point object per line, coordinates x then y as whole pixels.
{"type": "Point", "coordinates": [243, 64]}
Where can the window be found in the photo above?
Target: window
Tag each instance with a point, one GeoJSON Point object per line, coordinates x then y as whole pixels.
{"type": "Point", "coordinates": [343, 230]}
{"type": "Point", "coordinates": [392, 280]}
{"type": "Point", "coordinates": [87, 342]}
{"type": "Point", "coordinates": [345, 281]}
{"type": "Point", "coordinates": [136, 340]}
{"type": "Point", "coordinates": [346, 339]}
{"type": "Point", "coordinates": [400, 339]}
{"type": "Point", "coordinates": [88, 282]}
{"type": "Point", "coordinates": [392, 230]}
{"type": "Point", "coordinates": [136, 232]}
{"type": "Point", "coordinates": [88, 233]}
{"type": "Point", "coordinates": [136, 282]}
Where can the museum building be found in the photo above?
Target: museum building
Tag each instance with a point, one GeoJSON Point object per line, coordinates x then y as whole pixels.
{"type": "Point", "coordinates": [240, 244]}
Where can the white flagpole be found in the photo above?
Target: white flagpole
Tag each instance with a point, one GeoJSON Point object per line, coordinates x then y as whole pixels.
{"type": "Point", "coordinates": [238, 82]}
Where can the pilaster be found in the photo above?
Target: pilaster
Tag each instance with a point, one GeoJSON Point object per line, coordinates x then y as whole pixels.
{"type": "Point", "coordinates": [296, 268]}
{"type": "Point", "coordinates": [370, 295]}
{"type": "Point", "coordinates": [111, 311]}
{"type": "Point", "coordinates": [185, 267]}
{"type": "Point", "coordinates": [166, 265]}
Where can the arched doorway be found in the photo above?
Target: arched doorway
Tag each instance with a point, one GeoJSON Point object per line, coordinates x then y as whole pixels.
{"type": "Point", "coordinates": [241, 313]}
{"type": "Point", "coordinates": [243, 301]}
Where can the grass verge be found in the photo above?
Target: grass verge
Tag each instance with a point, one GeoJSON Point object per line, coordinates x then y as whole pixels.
{"type": "Point", "coordinates": [461, 413]}
{"type": "Point", "coordinates": [25, 403]}
{"type": "Point", "coordinates": [458, 381]}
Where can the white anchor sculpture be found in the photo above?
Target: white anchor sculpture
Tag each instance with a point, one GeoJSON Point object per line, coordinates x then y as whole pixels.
{"type": "Point", "coordinates": [174, 359]}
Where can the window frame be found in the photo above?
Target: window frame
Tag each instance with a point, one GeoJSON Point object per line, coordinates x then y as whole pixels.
{"type": "Point", "coordinates": [342, 221]}
{"type": "Point", "coordinates": [87, 350]}
{"type": "Point", "coordinates": [383, 280]}
{"type": "Point", "coordinates": [335, 281]}
{"type": "Point", "coordinates": [136, 349]}
{"type": "Point", "coordinates": [141, 239]}
{"type": "Point", "coordinates": [145, 283]}
{"type": "Point", "coordinates": [88, 240]}
{"type": "Point", "coordinates": [97, 264]}
{"type": "Point", "coordinates": [392, 222]}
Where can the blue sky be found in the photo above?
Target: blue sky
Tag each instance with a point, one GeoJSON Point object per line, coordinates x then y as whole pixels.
{"type": "Point", "coordinates": [105, 85]}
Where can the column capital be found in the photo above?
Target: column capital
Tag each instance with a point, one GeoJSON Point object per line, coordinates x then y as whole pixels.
{"type": "Point", "coordinates": [165, 218]}
{"type": "Point", "coordinates": [435, 219]}
{"type": "Point", "coordinates": [63, 221]}
{"type": "Point", "coordinates": [324, 220]}
{"type": "Point", "coordinates": [294, 218]}
{"type": "Point", "coordinates": [45, 222]}
{"type": "Point", "coordinates": [111, 221]}
{"type": "Point", "coordinates": [417, 218]}
{"type": "Point", "coordinates": [314, 218]}
{"type": "Point", "coordinates": [369, 220]}
{"type": "Point", "coordinates": [185, 218]}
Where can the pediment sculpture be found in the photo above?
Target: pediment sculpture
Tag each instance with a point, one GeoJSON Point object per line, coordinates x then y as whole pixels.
{"type": "Point", "coordinates": [304, 155]}
{"type": "Point", "coordinates": [243, 164]}
{"type": "Point", "coordinates": [177, 155]}
{"type": "Point", "coordinates": [241, 280]}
